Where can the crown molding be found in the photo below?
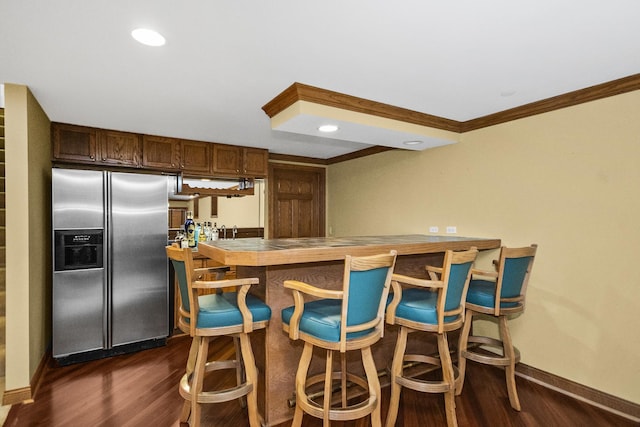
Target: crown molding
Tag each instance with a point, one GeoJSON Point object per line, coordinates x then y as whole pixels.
{"type": "Point", "coordinates": [301, 92]}
{"type": "Point", "coordinates": [592, 93]}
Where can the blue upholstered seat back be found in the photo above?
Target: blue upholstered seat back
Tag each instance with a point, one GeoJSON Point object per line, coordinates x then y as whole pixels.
{"type": "Point", "coordinates": [457, 279]}
{"type": "Point", "coordinates": [365, 293]}
{"type": "Point", "coordinates": [182, 283]}
{"type": "Point", "coordinates": [218, 310]}
{"type": "Point", "coordinates": [515, 270]}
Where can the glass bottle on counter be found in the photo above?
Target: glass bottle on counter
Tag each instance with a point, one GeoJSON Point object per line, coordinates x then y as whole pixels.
{"type": "Point", "coordinates": [190, 229]}
{"type": "Point", "coordinates": [202, 236]}
{"type": "Point", "coordinates": [214, 232]}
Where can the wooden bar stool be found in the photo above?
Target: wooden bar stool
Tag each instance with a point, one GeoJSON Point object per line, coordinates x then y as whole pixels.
{"type": "Point", "coordinates": [435, 306]}
{"type": "Point", "coordinates": [497, 294]}
{"type": "Point", "coordinates": [341, 320]}
{"type": "Point", "coordinates": [203, 317]}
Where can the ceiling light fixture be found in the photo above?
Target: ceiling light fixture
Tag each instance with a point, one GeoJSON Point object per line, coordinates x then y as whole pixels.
{"type": "Point", "coordinates": [410, 143]}
{"type": "Point", "coordinates": [148, 37]}
{"type": "Point", "coordinates": [328, 128]}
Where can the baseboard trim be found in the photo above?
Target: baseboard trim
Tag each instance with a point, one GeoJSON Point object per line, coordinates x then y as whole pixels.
{"type": "Point", "coordinates": [38, 375]}
{"type": "Point", "coordinates": [25, 395]}
{"type": "Point", "coordinates": [594, 397]}
{"type": "Point", "coordinates": [15, 396]}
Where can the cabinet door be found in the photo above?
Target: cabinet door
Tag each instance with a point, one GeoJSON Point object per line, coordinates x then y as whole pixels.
{"type": "Point", "coordinates": [177, 216]}
{"type": "Point", "coordinates": [119, 148]}
{"type": "Point", "coordinates": [76, 143]}
{"type": "Point", "coordinates": [160, 152]}
{"type": "Point", "coordinates": [227, 159]}
{"type": "Point", "coordinates": [195, 157]}
{"type": "Point", "coordinates": [255, 162]}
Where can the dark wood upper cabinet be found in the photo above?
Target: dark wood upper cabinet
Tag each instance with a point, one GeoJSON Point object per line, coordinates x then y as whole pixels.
{"type": "Point", "coordinates": [82, 144]}
{"type": "Point", "coordinates": [74, 143]}
{"type": "Point", "coordinates": [239, 161]}
{"type": "Point", "coordinates": [119, 148]}
{"type": "Point", "coordinates": [90, 145]}
{"type": "Point", "coordinates": [159, 152]}
{"type": "Point", "coordinates": [226, 159]}
{"type": "Point", "coordinates": [255, 162]}
{"type": "Point", "coordinates": [195, 157]}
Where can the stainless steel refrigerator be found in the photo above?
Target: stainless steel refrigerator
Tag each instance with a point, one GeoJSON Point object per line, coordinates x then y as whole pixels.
{"type": "Point", "coordinates": [110, 287]}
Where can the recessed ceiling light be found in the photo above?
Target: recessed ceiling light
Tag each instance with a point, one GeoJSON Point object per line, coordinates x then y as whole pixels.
{"type": "Point", "coordinates": [148, 37]}
{"type": "Point", "coordinates": [412, 142]}
{"type": "Point", "coordinates": [328, 128]}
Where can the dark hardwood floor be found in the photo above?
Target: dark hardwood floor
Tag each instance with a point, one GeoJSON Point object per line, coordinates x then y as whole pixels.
{"type": "Point", "coordinates": [141, 389]}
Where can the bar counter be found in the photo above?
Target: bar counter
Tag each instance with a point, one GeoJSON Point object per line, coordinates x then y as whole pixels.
{"type": "Point", "coordinates": [320, 262]}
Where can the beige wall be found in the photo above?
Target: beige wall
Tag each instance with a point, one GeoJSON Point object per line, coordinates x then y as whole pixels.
{"type": "Point", "coordinates": [243, 212]}
{"type": "Point", "coordinates": [568, 180]}
{"type": "Point", "coordinates": [28, 169]}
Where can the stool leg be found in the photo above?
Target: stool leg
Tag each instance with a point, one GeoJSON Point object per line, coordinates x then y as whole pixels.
{"type": "Point", "coordinates": [448, 377]}
{"type": "Point", "coordinates": [240, 374]}
{"type": "Point", "coordinates": [252, 378]}
{"type": "Point", "coordinates": [328, 374]}
{"type": "Point", "coordinates": [374, 384]}
{"type": "Point", "coordinates": [462, 348]}
{"type": "Point", "coordinates": [396, 371]}
{"type": "Point", "coordinates": [191, 363]}
{"type": "Point", "coordinates": [301, 379]}
{"type": "Point", "coordinates": [198, 380]}
{"type": "Point", "coordinates": [510, 369]}
{"type": "Point", "coordinates": [343, 378]}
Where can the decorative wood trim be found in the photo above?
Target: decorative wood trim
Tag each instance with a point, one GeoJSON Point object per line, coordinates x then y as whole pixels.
{"type": "Point", "coordinates": [593, 93]}
{"type": "Point", "coordinates": [296, 159]}
{"type": "Point", "coordinates": [595, 397]}
{"type": "Point", "coordinates": [214, 206]}
{"type": "Point", "coordinates": [205, 192]}
{"type": "Point", "coordinates": [337, 159]}
{"type": "Point", "coordinates": [301, 92]}
{"type": "Point", "coordinates": [361, 153]}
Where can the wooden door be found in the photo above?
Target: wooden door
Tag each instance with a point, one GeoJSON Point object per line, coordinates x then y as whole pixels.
{"type": "Point", "coordinates": [296, 201]}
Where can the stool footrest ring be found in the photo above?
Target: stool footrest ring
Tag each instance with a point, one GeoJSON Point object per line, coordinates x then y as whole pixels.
{"type": "Point", "coordinates": [349, 412]}
{"type": "Point", "coordinates": [489, 359]}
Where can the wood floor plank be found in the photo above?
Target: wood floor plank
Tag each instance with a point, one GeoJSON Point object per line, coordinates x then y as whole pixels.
{"type": "Point", "coordinates": [141, 389]}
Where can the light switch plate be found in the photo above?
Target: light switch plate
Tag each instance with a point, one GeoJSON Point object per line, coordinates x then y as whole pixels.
{"type": "Point", "coordinates": [451, 229]}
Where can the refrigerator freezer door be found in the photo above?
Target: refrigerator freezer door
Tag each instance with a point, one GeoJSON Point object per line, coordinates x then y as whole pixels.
{"type": "Point", "coordinates": [138, 263]}
{"type": "Point", "coordinates": [77, 311]}
{"type": "Point", "coordinates": [78, 199]}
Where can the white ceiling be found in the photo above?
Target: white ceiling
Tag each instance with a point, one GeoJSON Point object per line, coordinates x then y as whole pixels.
{"type": "Point", "coordinates": [225, 59]}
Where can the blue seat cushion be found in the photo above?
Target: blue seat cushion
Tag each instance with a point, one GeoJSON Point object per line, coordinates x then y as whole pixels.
{"type": "Point", "coordinates": [483, 293]}
{"type": "Point", "coordinates": [217, 310]}
{"type": "Point", "coordinates": [321, 319]}
{"type": "Point", "coordinates": [419, 305]}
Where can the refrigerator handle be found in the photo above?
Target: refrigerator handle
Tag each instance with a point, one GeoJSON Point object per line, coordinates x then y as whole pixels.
{"type": "Point", "coordinates": [106, 311]}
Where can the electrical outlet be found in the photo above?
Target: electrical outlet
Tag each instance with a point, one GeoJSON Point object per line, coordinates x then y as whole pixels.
{"type": "Point", "coordinates": [451, 229]}
{"type": "Point", "coordinates": [433, 229]}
